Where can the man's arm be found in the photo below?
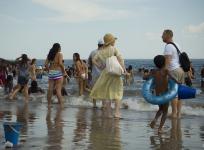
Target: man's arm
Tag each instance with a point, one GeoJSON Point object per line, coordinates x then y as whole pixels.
{"type": "Point", "coordinates": [167, 60]}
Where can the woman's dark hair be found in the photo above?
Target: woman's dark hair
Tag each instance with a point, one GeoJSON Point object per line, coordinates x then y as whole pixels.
{"type": "Point", "coordinates": [53, 51]}
{"type": "Point", "coordinates": [77, 56]}
{"type": "Point", "coordinates": [159, 61]}
{"type": "Point", "coordinates": [130, 67]}
{"type": "Point", "coordinates": [33, 61]}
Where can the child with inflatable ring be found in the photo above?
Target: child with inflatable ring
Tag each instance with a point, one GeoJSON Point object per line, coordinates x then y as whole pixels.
{"type": "Point", "coordinates": [161, 77]}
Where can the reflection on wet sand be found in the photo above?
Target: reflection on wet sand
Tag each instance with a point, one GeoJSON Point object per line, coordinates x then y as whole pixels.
{"type": "Point", "coordinates": [80, 132]}
{"type": "Point", "coordinates": [86, 128]}
{"type": "Point", "coordinates": [24, 116]}
{"type": "Point", "coordinates": [104, 133]}
{"type": "Point", "coordinates": [54, 130]}
{"type": "Point", "coordinates": [202, 133]}
{"type": "Point", "coordinates": [172, 141]}
{"type": "Point", "coordinates": [93, 131]}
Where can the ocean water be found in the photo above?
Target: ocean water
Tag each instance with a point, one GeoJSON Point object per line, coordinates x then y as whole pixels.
{"type": "Point", "coordinates": [132, 93]}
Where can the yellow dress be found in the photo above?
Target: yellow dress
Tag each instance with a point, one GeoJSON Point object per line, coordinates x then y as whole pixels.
{"type": "Point", "coordinates": [108, 87]}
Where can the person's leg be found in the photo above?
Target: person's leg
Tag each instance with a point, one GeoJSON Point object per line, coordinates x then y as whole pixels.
{"type": "Point", "coordinates": [179, 104]}
{"type": "Point", "coordinates": [128, 80]}
{"type": "Point", "coordinates": [103, 104]}
{"type": "Point", "coordinates": [13, 94]}
{"type": "Point", "coordinates": [174, 108]}
{"type": "Point", "coordinates": [158, 114]}
{"type": "Point", "coordinates": [164, 116]}
{"type": "Point", "coordinates": [94, 103]}
{"type": "Point", "coordinates": [50, 91]}
{"type": "Point", "coordinates": [81, 87]}
{"type": "Point", "coordinates": [10, 87]}
{"type": "Point", "coordinates": [25, 91]}
{"type": "Point", "coordinates": [64, 91]}
{"type": "Point", "coordinates": [117, 109]}
{"type": "Point", "coordinates": [108, 109]}
{"type": "Point", "coordinates": [58, 86]}
{"type": "Point", "coordinates": [85, 85]}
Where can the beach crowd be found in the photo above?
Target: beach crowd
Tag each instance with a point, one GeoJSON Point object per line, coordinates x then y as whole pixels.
{"type": "Point", "coordinates": [93, 78]}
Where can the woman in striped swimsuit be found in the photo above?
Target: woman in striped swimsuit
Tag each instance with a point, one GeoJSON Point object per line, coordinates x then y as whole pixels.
{"type": "Point", "coordinates": [54, 65]}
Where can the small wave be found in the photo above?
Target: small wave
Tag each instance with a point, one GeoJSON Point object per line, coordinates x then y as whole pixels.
{"type": "Point", "coordinates": [139, 104]}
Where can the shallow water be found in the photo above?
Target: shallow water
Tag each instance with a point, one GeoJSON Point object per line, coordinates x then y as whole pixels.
{"type": "Point", "coordinates": [86, 128]}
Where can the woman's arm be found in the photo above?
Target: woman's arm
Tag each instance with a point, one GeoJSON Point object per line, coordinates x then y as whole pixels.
{"type": "Point", "coordinates": [46, 65]}
{"type": "Point", "coordinates": [95, 62]}
{"type": "Point", "coordinates": [17, 59]}
{"type": "Point", "coordinates": [60, 62]}
{"type": "Point", "coordinates": [191, 74]}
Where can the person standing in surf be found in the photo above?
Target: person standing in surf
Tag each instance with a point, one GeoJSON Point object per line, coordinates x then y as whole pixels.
{"type": "Point", "coordinates": [108, 87]}
{"type": "Point", "coordinates": [161, 86]}
{"type": "Point", "coordinates": [55, 67]}
{"type": "Point", "coordinates": [23, 77]}
{"type": "Point", "coordinates": [95, 71]}
{"type": "Point", "coordinates": [173, 65]}
{"type": "Point", "coordinates": [80, 73]}
{"type": "Point", "coordinates": [33, 69]}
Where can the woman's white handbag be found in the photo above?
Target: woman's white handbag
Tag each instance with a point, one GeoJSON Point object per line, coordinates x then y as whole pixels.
{"type": "Point", "coordinates": [113, 66]}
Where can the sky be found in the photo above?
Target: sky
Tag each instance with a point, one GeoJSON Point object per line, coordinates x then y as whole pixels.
{"type": "Point", "coordinates": [33, 26]}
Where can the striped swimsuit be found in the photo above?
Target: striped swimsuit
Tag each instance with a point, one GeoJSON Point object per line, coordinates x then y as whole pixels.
{"type": "Point", "coordinates": [54, 74]}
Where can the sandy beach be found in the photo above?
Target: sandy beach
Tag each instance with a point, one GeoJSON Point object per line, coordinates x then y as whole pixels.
{"type": "Point", "coordinates": [77, 128]}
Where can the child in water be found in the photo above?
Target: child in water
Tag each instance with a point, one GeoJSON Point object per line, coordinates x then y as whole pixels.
{"type": "Point", "coordinates": [34, 88]}
{"type": "Point", "coordinates": [161, 85]}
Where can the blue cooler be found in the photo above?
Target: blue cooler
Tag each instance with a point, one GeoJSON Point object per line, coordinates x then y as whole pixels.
{"type": "Point", "coordinates": [185, 92]}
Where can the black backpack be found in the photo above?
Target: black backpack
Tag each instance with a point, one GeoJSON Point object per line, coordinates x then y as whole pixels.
{"type": "Point", "coordinates": [183, 59]}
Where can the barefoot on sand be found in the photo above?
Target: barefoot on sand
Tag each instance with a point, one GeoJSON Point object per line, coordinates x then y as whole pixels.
{"type": "Point", "coordinates": [152, 124]}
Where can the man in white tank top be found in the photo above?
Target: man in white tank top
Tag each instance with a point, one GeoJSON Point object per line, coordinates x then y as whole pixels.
{"type": "Point", "coordinates": [173, 65]}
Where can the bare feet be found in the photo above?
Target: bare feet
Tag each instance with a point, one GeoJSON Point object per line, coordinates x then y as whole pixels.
{"type": "Point", "coordinates": [178, 115]}
{"type": "Point", "coordinates": [10, 98]}
{"type": "Point", "coordinates": [110, 117]}
{"type": "Point", "coordinates": [87, 90]}
{"type": "Point", "coordinates": [173, 116]}
{"type": "Point", "coordinates": [117, 116]}
{"type": "Point", "coordinates": [160, 130]}
{"type": "Point", "coordinates": [152, 124]}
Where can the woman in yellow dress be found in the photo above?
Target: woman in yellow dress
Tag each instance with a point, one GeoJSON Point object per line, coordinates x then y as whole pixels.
{"type": "Point", "coordinates": [108, 87]}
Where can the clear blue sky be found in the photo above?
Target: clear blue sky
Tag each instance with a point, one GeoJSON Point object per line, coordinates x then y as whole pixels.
{"type": "Point", "coordinates": [32, 26]}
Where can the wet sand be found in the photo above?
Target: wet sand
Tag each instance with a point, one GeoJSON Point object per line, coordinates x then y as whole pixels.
{"type": "Point", "coordinates": [81, 128]}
